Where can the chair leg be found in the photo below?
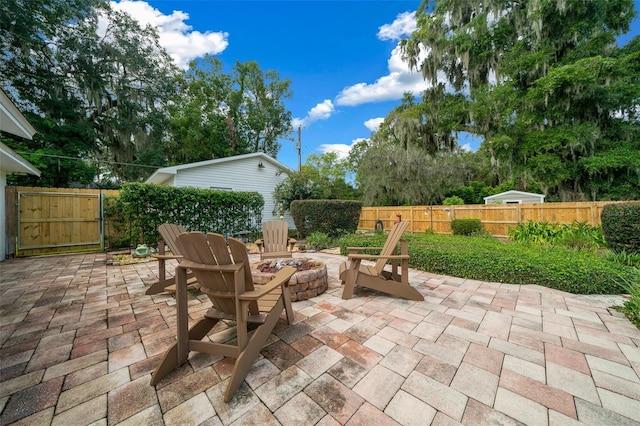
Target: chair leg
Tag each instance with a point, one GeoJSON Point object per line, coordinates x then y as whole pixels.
{"type": "Point", "coordinates": [170, 361]}
{"type": "Point", "coordinates": [286, 294]}
{"type": "Point", "coordinates": [252, 350]}
{"type": "Point", "coordinates": [350, 280]}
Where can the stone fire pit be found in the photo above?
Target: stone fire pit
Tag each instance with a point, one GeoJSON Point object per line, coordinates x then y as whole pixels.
{"type": "Point", "coordinates": [309, 281]}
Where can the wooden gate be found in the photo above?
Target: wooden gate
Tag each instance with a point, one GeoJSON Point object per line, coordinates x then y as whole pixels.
{"type": "Point", "coordinates": [61, 221]}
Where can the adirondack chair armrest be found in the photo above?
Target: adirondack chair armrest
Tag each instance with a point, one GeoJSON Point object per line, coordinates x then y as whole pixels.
{"type": "Point", "coordinates": [376, 256]}
{"type": "Point", "coordinates": [194, 266]}
{"type": "Point", "coordinates": [291, 242]}
{"type": "Point", "coordinates": [166, 256]}
{"type": "Point", "coordinates": [259, 243]}
{"type": "Point", "coordinates": [279, 279]}
{"type": "Point", "coordinates": [354, 250]}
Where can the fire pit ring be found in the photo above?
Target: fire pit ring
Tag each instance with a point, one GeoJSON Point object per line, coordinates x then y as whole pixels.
{"type": "Point", "coordinates": [309, 281]}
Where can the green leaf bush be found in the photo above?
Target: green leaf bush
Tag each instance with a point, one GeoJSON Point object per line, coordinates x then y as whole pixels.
{"type": "Point", "coordinates": [488, 259]}
{"type": "Point", "coordinates": [454, 200]}
{"type": "Point", "coordinates": [621, 226]}
{"type": "Point", "coordinates": [469, 226]}
{"type": "Point", "coordinates": [147, 206]}
{"type": "Point", "coordinates": [578, 235]}
{"type": "Point", "coordinates": [319, 241]}
{"type": "Point", "coordinates": [331, 217]}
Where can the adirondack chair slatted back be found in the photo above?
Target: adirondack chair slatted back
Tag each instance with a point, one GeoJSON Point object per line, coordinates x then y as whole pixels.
{"type": "Point", "coordinates": [275, 235]}
{"type": "Point", "coordinates": [391, 244]}
{"type": "Point", "coordinates": [200, 248]}
{"type": "Point", "coordinates": [169, 232]}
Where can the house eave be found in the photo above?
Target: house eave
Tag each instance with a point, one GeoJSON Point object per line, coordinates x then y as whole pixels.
{"type": "Point", "coordinates": [13, 163]}
{"type": "Point", "coordinates": [11, 119]}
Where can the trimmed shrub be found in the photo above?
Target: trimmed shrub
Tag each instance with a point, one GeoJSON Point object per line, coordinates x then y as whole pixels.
{"type": "Point", "coordinates": [331, 217]}
{"type": "Point", "coordinates": [621, 226]}
{"type": "Point", "coordinates": [147, 206]}
{"type": "Point", "coordinates": [469, 226]}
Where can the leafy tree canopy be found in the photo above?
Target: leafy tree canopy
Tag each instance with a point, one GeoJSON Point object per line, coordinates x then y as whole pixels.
{"type": "Point", "coordinates": [543, 82]}
{"type": "Point", "coordinates": [219, 115]}
{"type": "Point", "coordinates": [323, 177]}
{"type": "Point", "coordinates": [94, 84]}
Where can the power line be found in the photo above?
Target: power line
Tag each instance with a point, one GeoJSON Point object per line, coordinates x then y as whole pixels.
{"type": "Point", "coordinates": [80, 159]}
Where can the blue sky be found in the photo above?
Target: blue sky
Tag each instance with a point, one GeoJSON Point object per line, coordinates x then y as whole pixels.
{"type": "Point", "coordinates": [341, 56]}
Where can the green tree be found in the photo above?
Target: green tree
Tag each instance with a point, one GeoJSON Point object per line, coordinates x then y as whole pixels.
{"type": "Point", "coordinates": [330, 173]}
{"type": "Point", "coordinates": [544, 84]}
{"type": "Point", "coordinates": [323, 177]}
{"type": "Point", "coordinates": [219, 114]}
{"type": "Point", "coordinates": [389, 175]}
{"type": "Point", "coordinates": [98, 101]}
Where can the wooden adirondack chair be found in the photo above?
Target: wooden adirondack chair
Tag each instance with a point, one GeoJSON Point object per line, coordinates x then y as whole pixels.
{"type": "Point", "coordinates": [275, 242]}
{"type": "Point", "coordinates": [228, 285]}
{"type": "Point", "coordinates": [353, 273]}
{"type": "Point", "coordinates": [169, 232]}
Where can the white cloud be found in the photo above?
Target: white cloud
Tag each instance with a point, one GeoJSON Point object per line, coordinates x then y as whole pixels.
{"type": "Point", "coordinates": [403, 25]}
{"type": "Point", "coordinates": [387, 88]}
{"type": "Point", "coordinates": [181, 42]}
{"type": "Point", "coordinates": [322, 111]}
{"type": "Point", "coordinates": [373, 124]}
{"type": "Point", "coordinates": [339, 148]}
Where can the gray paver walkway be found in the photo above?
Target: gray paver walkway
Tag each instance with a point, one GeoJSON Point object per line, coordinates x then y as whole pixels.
{"type": "Point", "coordinates": [80, 339]}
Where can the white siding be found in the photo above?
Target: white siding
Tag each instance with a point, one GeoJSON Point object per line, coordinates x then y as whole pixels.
{"type": "Point", "coordinates": [239, 175]}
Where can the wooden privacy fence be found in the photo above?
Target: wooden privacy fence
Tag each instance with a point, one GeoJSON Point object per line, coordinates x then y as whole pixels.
{"type": "Point", "coordinates": [496, 218]}
{"type": "Point", "coordinates": [54, 220]}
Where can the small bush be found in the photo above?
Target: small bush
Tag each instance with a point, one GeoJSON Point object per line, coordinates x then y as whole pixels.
{"type": "Point", "coordinates": [578, 235]}
{"type": "Point", "coordinates": [466, 226]}
{"type": "Point", "coordinates": [454, 200]}
{"type": "Point", "coordinates": [624, 258]}
{"type": "Point", "coordinates": [319, 241]}
{"type": "Point", "coordinates": [621, 226]}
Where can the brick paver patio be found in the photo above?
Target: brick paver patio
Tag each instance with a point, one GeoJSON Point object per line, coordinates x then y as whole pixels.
{"type": "Point", "coordinates": [79, 340]}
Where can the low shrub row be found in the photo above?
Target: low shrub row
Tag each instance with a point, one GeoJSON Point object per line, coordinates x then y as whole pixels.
{"type": "Point", "coordinates": [488, 259]}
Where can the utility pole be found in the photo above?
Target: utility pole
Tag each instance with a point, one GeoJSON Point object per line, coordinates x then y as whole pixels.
{"type": "Point", "coordinates": [298, 147]}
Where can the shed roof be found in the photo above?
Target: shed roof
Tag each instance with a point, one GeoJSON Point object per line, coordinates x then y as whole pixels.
{"type": "Point", "coordinates": [163, 174]}
{"type": "Point", "coordinates": [514, 193]}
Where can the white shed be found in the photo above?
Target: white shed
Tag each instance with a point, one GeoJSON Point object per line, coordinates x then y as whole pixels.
{"type": "Point", "coordinates": [248, 172]}
{"type": "Point", "coordinates": [514, 197]}
{"type": "Point", "coordinates": [11, 121]}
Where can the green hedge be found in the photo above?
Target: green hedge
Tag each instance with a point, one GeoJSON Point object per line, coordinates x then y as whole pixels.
{"type": "Point", "coordinates": [147, 206]}
{"type": "Point", "coordinates": [621, 226]}
{"type": "Point", "coordinates": [466, 226]}
{"type": "Point", "coordinates": [331, 217]}
{"type": "Point", "coordinates": [488, 259]}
